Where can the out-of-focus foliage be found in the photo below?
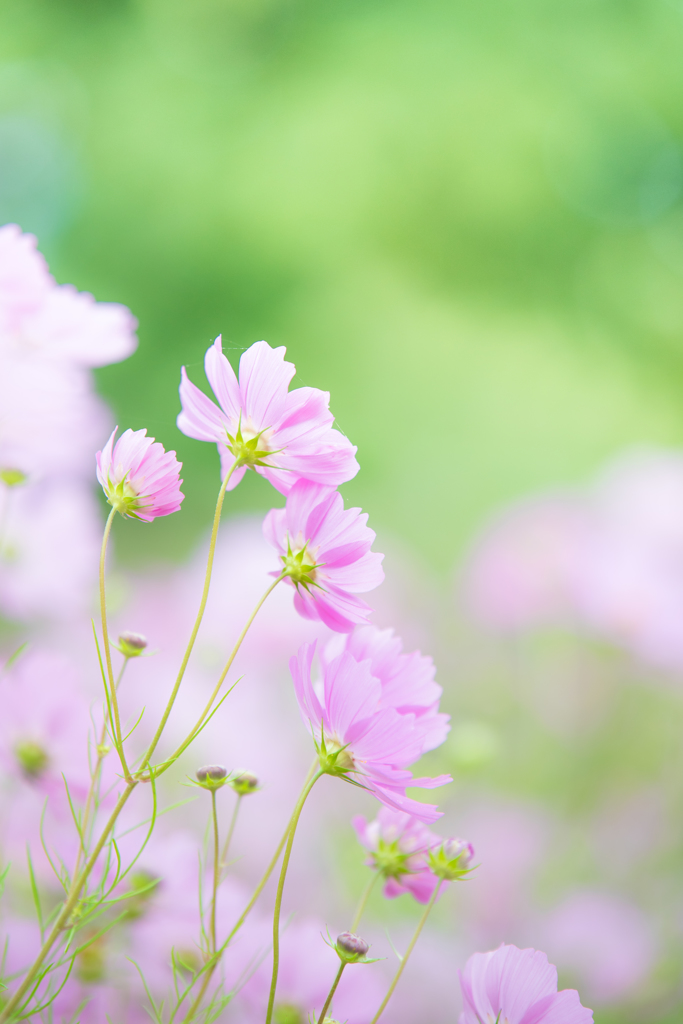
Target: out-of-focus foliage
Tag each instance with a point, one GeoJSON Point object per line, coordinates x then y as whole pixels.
{"type": "Point", "coordinates": [466, 215]}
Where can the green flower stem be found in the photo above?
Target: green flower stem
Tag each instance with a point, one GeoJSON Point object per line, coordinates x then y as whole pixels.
{"type": "Point", "coordinates": [409, 950]}
{"type": "Point", "coordinates": [211, 966]}
{"type": "Point", "coordinates": [160, 768]}
{"type": "Point", "coordinates": [216, 871]}
{"type": "Point", "coordinates": [228, 838]}
{"type": "Point", "coordinates": [330, 994]}
{"type": "Point", "coordinates": [200, 615]}
{"type": "Point", "coordinates": [280, 889]}
{"type": "Point", "coordinates": [94, 781]}
{"type": "Point", "coordinates": [64, 914]}
{"type": "Point", "coordinates": [116, 723]}
{"type": "Point", "coordinates": [363, 901]}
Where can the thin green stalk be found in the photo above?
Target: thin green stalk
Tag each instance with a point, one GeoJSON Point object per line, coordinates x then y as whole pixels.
{"type": "Point", "coordinates": [360, 909]}
{"type": "Point", "coordinates": [116, 724]}
{"type": "Point", "coordinates": [94, 781]}
{"type": "Point", "coordinates": [198, 724]}
{"type": "Point", "coordinates": [280, 889]}
{"type": "Point", "coordinates": [228, 838]}
{"type": "Point", "coordinates": [64, 914]}
{"type": "Point", "coordinates": [216, 871]}
{"type": "Point", "coordinates": [330, 994]}
{"type": "Point", "coordinates": [211, 966]}
{"type": "Point", "coordinates": [409, 950]}
{"type": "Point", "coordinates": [200, 615]}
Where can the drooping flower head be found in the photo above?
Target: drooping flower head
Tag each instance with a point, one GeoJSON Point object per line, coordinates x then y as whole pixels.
{"type": "Point", "coordinates": [259, 424]}
{"type": "Point", "coordinates": [516, 986]}
{"type": "Point", "coordinates": [139, 478]}
{"type": "Point", "coordinates": [356, 738]}
{"type": "Point", "coordinates": [399, 845]}
{"type": "Point", "coordinates": [407, 679]}
{"type": "Point", "coordinates": [325, 552]}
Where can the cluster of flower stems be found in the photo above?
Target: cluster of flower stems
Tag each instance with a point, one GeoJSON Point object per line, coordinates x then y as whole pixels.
{"type": "Point", "coordinates": [81, 908]}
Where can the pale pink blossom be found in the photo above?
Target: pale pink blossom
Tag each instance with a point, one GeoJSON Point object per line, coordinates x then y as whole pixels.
{"type": "Point", "coordinates": [368, 744]}
{"type": "Point", "coordinates": [516, 986]}
{"type": "Point", "coordinates": [140, 479]}
{"type": "Point", "coordinates": [284, 435]}
{"type": "Point", "coordinates": [55, 322]}
{"type": "Point", "coordinates": [49, 541]}
{"type": "Point", "coordinates": [399, 844]}
{"type": "Point", "coordinates": [325, 552]}
{"type": "Point", "coordinates": [407, 680]}
{"type": "Point", "coordinates": [606, 942]}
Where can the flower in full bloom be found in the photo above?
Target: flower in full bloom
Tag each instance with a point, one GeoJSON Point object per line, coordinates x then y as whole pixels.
{"type": "Point", "coordinates": [517, 986]}
{"type": "Point", "coordinates": [139, 478]}
{"type": "Point", "coordinates": [407, 679]}
{"type": "Point", "coordinates": [399, 844]}
{"type": "Point", "coordinates": [259, 424]}
{"type": "Point", "coordinates": [356, 738]}
{"type": "Point", "coordinates": [325, 554]}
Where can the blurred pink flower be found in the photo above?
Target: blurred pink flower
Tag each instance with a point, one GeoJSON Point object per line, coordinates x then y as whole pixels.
{"type": "Point", "coordinates": [407, 679]}
{"type": "Point", "coordinates": [516, 986]}
{"type": "Point", "coordinates": [139, 478]}
{"type": "Point", "coordinates": [49, 541]}
{"type": "Point", "coordinates": [398, 844]}
{"type": "Point", "coordinates": [325, 550]}
{"type": "Point", "coordinates": [605, 942]}
{"type": "Point", "coordinates": [523, 570]}
{"type": "Point", "coordinates": [374, 743]}
{"type": "Point", "coordinates": [284, 435]}
{"type": "Point", "coordinates": [51, 321]}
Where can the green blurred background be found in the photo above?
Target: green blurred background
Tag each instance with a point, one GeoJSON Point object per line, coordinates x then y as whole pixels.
{"type": "Point", "coordinates": [464, 218]}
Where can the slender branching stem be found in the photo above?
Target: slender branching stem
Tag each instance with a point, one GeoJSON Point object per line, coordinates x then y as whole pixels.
{"type": "Point", "coordinates": [114, 704]}
{"type": "Point", "coordinates": [231, 829]}
{"type": "Point", "coordinates": [280, 889]}
{"type": "Point", "coordinates": [14, 1004]}
{"type": "Point", "coordinates": [330, 994]}
{"type": "Point", "coordinates": [406, 956]}
{"type": "Point", "coordinates": [216, 872]}
{"type": "Point", "coordinates": [95, 779]}
{"type": "Point", "coordinates": [211, 966]}
{"type": "Point", "coordinates": [360, 909]}
{"type": "Point", "coordinates": [198, 621]}
{"type": "Point", "coordinates": [233, 654]}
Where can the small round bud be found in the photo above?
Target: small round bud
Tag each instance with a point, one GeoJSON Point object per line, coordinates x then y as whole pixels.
{"type": "Point", "coordinates": [244, 783]}
{"type": "Point", "coordinates": [131, 644]}
{"type": "Point", "coordinates": [351, 947]}
{"type": "Point", "coordinates": [12, 477]}
{"type": "Point", "coordinates": [31, 757]}
{"type": "Point", "coordinates": [212, 776]}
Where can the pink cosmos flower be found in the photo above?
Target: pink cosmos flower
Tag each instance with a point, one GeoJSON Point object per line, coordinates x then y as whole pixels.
{"type": "Point", "coordinates": [399, 844]}
{"type": "Point", "coordinates": [38, 317]}
{"type": "Point", "coordinates": [516, 986]}
{"type": "Point", "coordinates": [356, 737]}
{"type": "Point", "coordinates": [284, 435]}
{"type": "Point", "coordinates": [140, 479]}
{"type": "Point", "coordinates": [325, 551]}
{"type": "Point", "coordinates": [407, 679]}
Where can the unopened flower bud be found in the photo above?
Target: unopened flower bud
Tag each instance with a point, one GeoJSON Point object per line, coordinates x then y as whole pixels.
{"type": "Point", "coordinates": [32, 758]}
{"type": "Point", "coordinates": [212, 775]}
{"type": "Point", "coordinates": [12, 477]}
{"type": "Point", "coordinates": [132, 645]}
{"type": "Point", "coordinates": [452, 859]}
{"type": "Point", "coordinates": [351, 947]}
{"type": "Point", "coordinates": [244, 783]}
